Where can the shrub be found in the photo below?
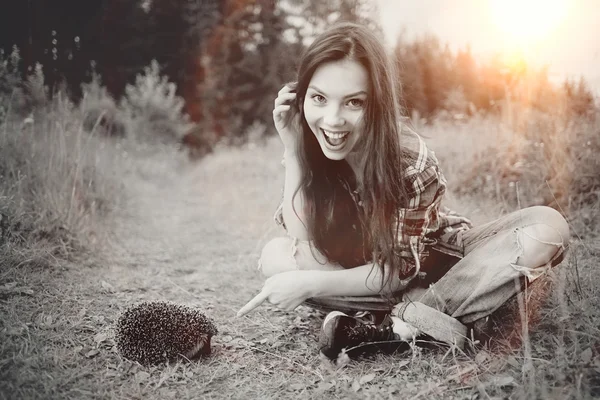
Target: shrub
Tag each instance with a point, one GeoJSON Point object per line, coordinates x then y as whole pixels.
{"type": "Point", "coordinates": [100, 111]}
{"type": "Point", "coordinates": [28, 96]}
{"type": "Point", "coordinates": [154, 109]}
{"type": "Point", "coordinates": [527, 158]}
{"type": "Point", "coordinates": [57, 183]}
{"type": "Point", "coordinates": [10, 79]}
{"type": "Point", "coordinates": [35, 91]}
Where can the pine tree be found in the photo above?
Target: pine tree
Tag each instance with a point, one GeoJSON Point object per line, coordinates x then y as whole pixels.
{"type": "Point", "coordinates": [467, 76]}
{"type": "Point", "coordinates": [121, 36]}
{"type": "Point", "coordinates": [245, 61]}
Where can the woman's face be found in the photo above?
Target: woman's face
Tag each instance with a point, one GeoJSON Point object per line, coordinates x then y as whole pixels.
{"type": "Point", "coordinates": [334, 106]}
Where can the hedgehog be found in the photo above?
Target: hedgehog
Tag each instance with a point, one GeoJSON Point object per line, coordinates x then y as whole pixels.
{"type": "Point", "coordinates": [158, 332]}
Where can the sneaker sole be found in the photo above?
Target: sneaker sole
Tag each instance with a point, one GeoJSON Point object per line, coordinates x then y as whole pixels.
{"type": "Point", "coordinates": [325, 340]}
{"type": "Point", "coordinates": [331, 315]}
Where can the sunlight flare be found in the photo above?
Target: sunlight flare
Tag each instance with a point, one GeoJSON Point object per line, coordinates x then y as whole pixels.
{"type": "Point", "coordinates": [525, 21]}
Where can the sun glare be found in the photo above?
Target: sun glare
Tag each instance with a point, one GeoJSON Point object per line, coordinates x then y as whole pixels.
{"type": "Point", "coordinates": [525, 21]}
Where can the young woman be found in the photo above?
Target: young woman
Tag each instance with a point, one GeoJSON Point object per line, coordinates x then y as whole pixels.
{"type": "Point", "coordinates": [362, 204]}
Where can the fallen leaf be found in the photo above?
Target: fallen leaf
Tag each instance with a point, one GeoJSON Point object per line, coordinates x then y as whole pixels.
{"type": "Point", "coordinates": [366, 379]}
{"type": "Point", "coordinates": [342, 359]}
{"type": "Point", "coordinates": [481, 357]}
{"type": "Point", "coordinates": [462, 374]}
{"type": "Point", "coordinates": [325, 386]}
{"type": "Point", "coordinates": [142, 376]}
{"type": "Point", "coordinates": [226, 338]}
{"type": "Point", "coordinates": [101, 337]}
{"type": "Point", "coordinates": [441, 389]}
{"type": "Point", "coordinates": [302, 345]}
{"type": "Point", "coordinates": [496, 365]}
{"type": "Point", "coordinates": [107, 287]}
{"type": "Point", "coordinates": [48, 320]}
{"type": "Point", "coordinates": [44, 320]}
{"type": "Point", "coordinates": [297, 386]}
{"type": "Point", "coordinates": [111, 374]}
{"type": "Point", "coordinates": [586, 356]}
{"type": "Point", "coordinates": [25, 290]}
{"type": "Point", "coordinates": [11, 288]}
{"type": "Point", "coordinates": [8, 286]}
{"type": "Point", "coordinates": [504, 381]}
{"type": "Point", "coordinates": [92, 353]}
{"type": "Point", "coordinates": [15, 331]}
{"type": "Point", "coordinates": [513, 361]}
{"type": "Point", "coordinates": [240, 343]}
{"type": "Point", "coordinates": [356, 385]}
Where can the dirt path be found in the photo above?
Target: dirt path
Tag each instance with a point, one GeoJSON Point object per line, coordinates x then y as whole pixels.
{"type": "Point", "coordinates": [191, 236]}
{"type": "Point", "coordinates": [180, 240]}
{"type": "Point", "coordinates": [195, 239]}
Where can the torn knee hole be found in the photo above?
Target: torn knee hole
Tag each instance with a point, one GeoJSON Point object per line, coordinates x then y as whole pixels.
{"type": "Point", "coordinates": [539, 237]}
{"type": "Point", "coordinates": [538, 245]}
{"type": "Point", "coordinates": [531, 273]}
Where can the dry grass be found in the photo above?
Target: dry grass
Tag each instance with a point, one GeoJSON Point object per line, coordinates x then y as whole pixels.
{"type": "Point", "coordinates": [192, 234]}
{"type": "Point", "coordinates": [525, 158]}
{"type": "Point", "coordinates": [58, 182]}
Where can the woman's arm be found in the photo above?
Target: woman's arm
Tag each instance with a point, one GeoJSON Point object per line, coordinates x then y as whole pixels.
{"type": "Point", "coordinates": [293, 206]}
{"type": "Point", "coordinates": [287, 290]}
{"type": "Point", "coordinates": [287, 122]}
{"type": "Point", "coordinates": [364, 280]}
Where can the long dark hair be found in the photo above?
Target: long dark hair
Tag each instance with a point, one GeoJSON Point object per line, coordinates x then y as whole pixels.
{"type": "Point", "coordinates": [339, 229]}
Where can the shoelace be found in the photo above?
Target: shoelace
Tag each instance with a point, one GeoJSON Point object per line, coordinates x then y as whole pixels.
{"type": "Point", "coordinates": [372, 333]}
{"type": "Point", "coordinates": [366, 317]}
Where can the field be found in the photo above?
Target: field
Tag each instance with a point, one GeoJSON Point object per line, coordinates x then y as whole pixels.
{"type": "Point", "coordinates": [165, 228]}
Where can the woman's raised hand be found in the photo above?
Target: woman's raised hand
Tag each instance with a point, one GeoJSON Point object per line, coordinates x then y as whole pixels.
{"type": "Point", "coordinates": [286, 116]}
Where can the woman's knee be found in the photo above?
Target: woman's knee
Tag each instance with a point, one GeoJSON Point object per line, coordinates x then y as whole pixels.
{"type": "Point", "coordinates": [277, 256]}
{"type": "Point", "coordinates": [555, 226]}
{"type": "Point", "coordinates": [543, 238]}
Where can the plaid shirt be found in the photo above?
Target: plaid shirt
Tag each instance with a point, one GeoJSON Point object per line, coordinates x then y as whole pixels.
{"type": "Point", "coordinates": [425, 223]}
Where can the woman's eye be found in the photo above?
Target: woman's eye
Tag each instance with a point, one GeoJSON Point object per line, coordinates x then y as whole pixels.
{"type": "Point", "coordinates": [356, 103]}
{"type": "Point", "coordinates": [318, 98]}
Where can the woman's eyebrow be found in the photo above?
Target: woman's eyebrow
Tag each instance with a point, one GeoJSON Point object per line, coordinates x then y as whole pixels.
{"type": "Point", "coordinates": [349, 95]}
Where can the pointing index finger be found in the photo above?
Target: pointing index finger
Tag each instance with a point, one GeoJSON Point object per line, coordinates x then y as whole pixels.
{"type": "Point", "coordinates": [252, 304]}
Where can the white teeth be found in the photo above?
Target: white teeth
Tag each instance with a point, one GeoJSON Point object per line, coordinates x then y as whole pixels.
{"type": "Point", "coordinates": [335, 135]}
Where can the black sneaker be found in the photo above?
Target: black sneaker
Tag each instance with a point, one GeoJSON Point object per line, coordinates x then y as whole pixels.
{"type": "Point", "coordinates": [343, 332]}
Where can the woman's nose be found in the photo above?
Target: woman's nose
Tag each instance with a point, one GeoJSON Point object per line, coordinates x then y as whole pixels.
{"type": "Point", "coordinates": [334, 118]}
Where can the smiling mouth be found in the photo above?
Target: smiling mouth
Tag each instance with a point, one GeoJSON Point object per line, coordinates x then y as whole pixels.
{"type": "Point", "coordinates": [335, 139]}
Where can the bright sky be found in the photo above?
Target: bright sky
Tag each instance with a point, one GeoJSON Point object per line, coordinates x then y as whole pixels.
{"type": "Point", "coordinates": [563, 34]}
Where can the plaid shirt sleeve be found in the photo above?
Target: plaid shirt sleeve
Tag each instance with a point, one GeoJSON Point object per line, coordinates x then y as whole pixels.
{"type": "Point", "coordinates": [426, 186]}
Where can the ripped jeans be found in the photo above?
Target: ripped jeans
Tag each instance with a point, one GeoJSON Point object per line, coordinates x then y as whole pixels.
{"type": "Point", "coordinates": [500, 259]}
{"type": "Point", "coordinates": [491, 271]}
